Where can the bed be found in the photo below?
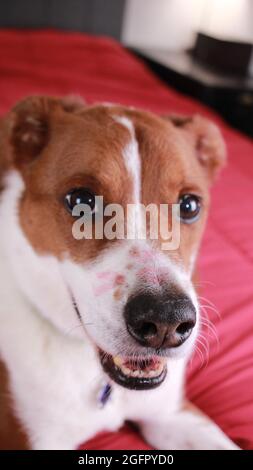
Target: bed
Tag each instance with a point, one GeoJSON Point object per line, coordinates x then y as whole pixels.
{"type": "Point", "coordinates": [220, 378]}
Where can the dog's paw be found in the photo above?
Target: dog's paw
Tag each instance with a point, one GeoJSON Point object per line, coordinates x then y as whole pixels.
{"type": "Point", "coordinates": [187, 430]}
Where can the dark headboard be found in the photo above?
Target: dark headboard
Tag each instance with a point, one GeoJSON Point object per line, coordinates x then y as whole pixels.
{"type": "Point", "coordinates": [91, 16]}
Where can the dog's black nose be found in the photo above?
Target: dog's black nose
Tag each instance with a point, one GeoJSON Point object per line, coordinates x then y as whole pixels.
{"type": "Point", "coordinates": [160, 322]}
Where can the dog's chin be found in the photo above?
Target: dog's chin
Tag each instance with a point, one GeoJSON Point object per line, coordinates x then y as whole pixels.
{"type": "Point", "coordinates": [132, 373]}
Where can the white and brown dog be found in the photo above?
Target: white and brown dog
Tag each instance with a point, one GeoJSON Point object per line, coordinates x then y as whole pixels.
{"type": "Point", "coordinates": [95, 332]}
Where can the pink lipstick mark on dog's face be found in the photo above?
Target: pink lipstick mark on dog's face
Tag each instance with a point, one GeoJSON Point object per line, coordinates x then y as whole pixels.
{"type": "Point", "coordinates": [106, 275]}
{"type": "Point", "coordinates": [149, 272]}
{"type": "Point", "coordinates": [152, 275]}
{"type": "Point", "coordinates": [108, 281]}
{"type": "Point", "coordinates": [120, 280]}
{"type": "Point", "coordinates": [149, 275]}
{"type": "Point", "coordinates": [142, 254]}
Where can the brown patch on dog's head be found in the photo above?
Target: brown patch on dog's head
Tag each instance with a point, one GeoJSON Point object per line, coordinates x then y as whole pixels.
{"type": "Point", "coordinates": [179, 155]}
{"type": "Point", "coordinates": [59, 144]}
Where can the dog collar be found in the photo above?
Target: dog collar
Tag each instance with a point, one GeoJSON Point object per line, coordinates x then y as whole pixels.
{"type": "Point", "coordinates": [104, 394]}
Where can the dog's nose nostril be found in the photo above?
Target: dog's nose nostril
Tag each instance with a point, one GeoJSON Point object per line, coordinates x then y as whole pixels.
{"type": "Point", "coordinates": [185, 328]}
{"type": "Point", "coordinates": [148, 329]}
{"type": "Point", "coordinates": [143, 332]}
{"type": "Point", "coordinates": [148, 334]}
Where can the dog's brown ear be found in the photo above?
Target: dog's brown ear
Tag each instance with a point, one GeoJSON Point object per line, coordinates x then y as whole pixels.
{"type": "Point", "coordinates": [207, 140]}
{"type": "Point", "coordinates": [72, 103]}
{"type": "Point", "coordinates": [28, 125]}
{"type": "Point", "coordinates": [29, 128]}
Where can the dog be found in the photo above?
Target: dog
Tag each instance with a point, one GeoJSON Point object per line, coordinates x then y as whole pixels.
{"type": "Point", "coordinates": [96, 332]}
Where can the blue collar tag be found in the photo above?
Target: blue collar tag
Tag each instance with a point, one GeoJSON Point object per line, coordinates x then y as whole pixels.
{"type": "Point", "coordinates": [104, 395]}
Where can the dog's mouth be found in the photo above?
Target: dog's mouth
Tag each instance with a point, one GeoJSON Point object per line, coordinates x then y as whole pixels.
{"type": "Point", "coordinates": [135, 374]}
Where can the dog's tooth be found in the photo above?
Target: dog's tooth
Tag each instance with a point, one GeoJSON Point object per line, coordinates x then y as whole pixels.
{"type": "Point", "coordinates": [135, 373]}
{"type": "Point", "coordinates": [117, 360]}
{"type": "Point", "coordinates": [152, 373]}
{"type": "Point", "coordinates": [125, 370]}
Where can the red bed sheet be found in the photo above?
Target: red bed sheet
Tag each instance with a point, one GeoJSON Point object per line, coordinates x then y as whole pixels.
{"type": "Point", "coordinates": [220, 380]}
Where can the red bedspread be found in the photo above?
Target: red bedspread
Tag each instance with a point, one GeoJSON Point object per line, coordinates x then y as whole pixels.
{"type": "Point", "coordinates": [100, 70]}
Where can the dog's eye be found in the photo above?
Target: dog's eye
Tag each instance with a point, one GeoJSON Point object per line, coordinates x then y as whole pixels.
{"type": "Point", "coordinates": [190, 206]}
{"type": "Point", "coordinates": [80, 196]}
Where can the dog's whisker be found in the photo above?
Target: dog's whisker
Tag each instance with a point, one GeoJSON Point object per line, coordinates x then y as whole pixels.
{"type": "Point", "coordinates": [204, 352]}
{"type": "Point", "coordinates": [79, 325]}
{"type": "Point", "coordinates": [201, 283]}
{"type": "Point", "coordinates": [199, 355]}
{"type": "Point", "coordinates": [211, 332]}
{"type": "Point", "coordinates": [205, 342]}
{"type": "Point", "coordinates": [210, 326]}
{"type": "Point", "coordinates": [69, 330]}
{"type": "Point", "coordinates": [210, 329]}
{"type": "Point", "coordinates": [209, 305]}
{"type": "Point", "coordinates": [210, 308]}
{"type": "Point", "coordinates": [207, 300]}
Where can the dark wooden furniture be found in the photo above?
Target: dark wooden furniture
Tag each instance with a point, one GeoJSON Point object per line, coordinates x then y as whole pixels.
{"type": "Point", "coordinates": [230, 95]}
